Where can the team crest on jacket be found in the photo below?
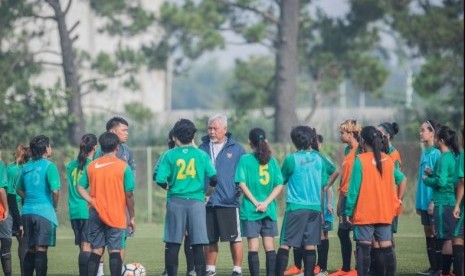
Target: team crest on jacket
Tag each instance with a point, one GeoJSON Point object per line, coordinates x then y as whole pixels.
{"type": "Point", "coordinates": [229, 154]}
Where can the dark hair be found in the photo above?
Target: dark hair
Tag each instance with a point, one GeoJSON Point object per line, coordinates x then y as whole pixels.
{"type": "Point", "coordinates": [87, 144]}
{"type": "Point", "coordinates": [450, 138]}
{"type": "Point", "coordinates": [320, 138]}
{"type": "Point", "coordinates": [257, 137]}
{"type": "Point", "coordinates": [433, 125]}
{"type": "Point", "coordinates": [374, 138]}
{"type": "Point", "coordinates": [22, 154]}
{"type": "Point", "coordinates": [314, 143]}
{"type": "Point", "coordinates": [108, 142]}
{"type": "Point", "coordinates": [38, 146]}
{"type": "Point", "coordinates": [302, 137]}
{"type": "Point", "coordinates": [171, 143]}
{"type": "Point", "coordinates": [116, 121]}
{"type": "Point", "coordinates": [184, 130]}
{"type": "Point", "coordinates": [390, 129]}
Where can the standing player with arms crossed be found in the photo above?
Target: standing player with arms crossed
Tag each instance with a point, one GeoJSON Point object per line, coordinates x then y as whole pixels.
{"type": "Point", "coordinates": [111, 184]}
{"type": "Point", "coordinates": [78, 207]}
{"type": "Point", "coordinates": [259, 176]}
{"type": "Point", "coordinates": [182, 171]}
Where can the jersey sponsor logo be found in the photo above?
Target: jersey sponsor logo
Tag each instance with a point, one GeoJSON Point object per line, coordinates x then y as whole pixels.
{"type": "Point", "coordinates": [98, 166]}
{"type": "Point", "coordinates": [229, 155]}
{"type": "Point", "coordinates": [382, 160]}
{"type": "Point", "coordinates": [185, 151]}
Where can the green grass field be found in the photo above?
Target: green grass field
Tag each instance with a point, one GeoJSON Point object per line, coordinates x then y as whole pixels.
{"type": "Point", "coordinates": [147, 248]}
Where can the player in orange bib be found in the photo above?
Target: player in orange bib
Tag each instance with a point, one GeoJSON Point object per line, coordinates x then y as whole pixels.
{"type": "Point", "coordinates": [371, 201]}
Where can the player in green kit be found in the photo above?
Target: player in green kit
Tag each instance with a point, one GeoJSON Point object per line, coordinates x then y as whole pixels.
{"type": "Point", "coordinates": [259, 176]}
{"type": "Point", "coordinates": [182, 171]}
{"type": "Point", "coordinates": [78, 207]}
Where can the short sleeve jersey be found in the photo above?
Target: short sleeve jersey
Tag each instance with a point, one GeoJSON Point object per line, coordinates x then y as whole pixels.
{"type": "Point", "coordinates": [302, 171]}
{"type": "Point", "coordinates": [184, 169]}
{"type": "Point", "coordinates": [108, 179]}
{"type": "Point", "coordinates": [78, 207]}
{"type": "Point", "coordinates": [428, 159]}
{"type": "Point", "coordinates": [3, 183]}
{"type": "Point", "coordinates": [261, 181]}
{"type": "Point", "coordinates": [444, 179]}
{"type": "Point", "coordinates": [38, 179]}
{"type": "Point", "coordinates": [12, 174]}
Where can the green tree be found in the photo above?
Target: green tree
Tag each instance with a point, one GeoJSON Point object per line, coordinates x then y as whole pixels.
{"type": "Point", "coordinates": [24, 21]}
{"type": "Point", "coordinates": [330, 50]}
{"type": "Point", "coordinates": [434, 33]}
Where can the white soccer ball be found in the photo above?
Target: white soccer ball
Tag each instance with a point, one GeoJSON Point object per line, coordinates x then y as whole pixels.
{"type": "Point", "coordinates": [133, 269]}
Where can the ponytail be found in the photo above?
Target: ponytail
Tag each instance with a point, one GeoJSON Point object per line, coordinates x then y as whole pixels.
{"type": "Point", "coordinates": [374, 139]}
{"type": "Point", "coordinates": [262, 152]}
{"type": "Point", "coordinates": [87, 144]}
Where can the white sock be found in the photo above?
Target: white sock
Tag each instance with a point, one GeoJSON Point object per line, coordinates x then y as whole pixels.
{"type": "Point", "coordinates": [238, 269]}
{"type": "Point", "coordinates": [100, 270]}
{"type": "Point", "coordinates": [211, 268]}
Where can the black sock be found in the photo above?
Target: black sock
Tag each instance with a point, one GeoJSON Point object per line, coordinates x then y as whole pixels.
{"type": "Point", "coordinates": [271, 263]}
{"type": "Point", "coordinates": [93, 264]}
{"type": "Point", "coordinates": [83, 259]}
{"type": "Point", "coordinates": [363, 258]}
{"type": "Point", "coordinates": [29, 263]}
{"type": "Point", "coordinates": [189, 254]}
{"type": "Point", "coordinates": [282, 258]}
{"type": "Point", "coordinates": [430, 250]}
{"type": "Point", "coordinates": [198, 257]}
{"type": "Point", "coordinates": [41, 262]}
{"type": "Point", "coordinates": [116, 264]}
{"type": "Point", "coordinates": [446, 264]}
{"type": "Point", "coordinates": [438, 254]}
{"type": "Point", "coordinates": [309, 262]}
{"type": "Point", "coordinates": [254, 263]}
{"type": "Point", "coordinates": [388, 256]}
{"type": "Point", "coordinates": [346, 248]}
{"type": "Point", "coordinates": [458, 259]}
{"type": "Point", "coordinates": [6, 256]}
{"type": "Point", "coordinates": [379, 266]}
{"type": "Point", "coordinates": [298, 257]}
{"type": "Point", "coordinates": [22, 250]}
{"type": "Point", "coordinates": [171, 258]}
{"type": "Point", "coordinates": [323, 250]}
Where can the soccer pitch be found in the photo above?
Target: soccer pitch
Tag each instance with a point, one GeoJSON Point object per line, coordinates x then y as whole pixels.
{"type": "Point", "coordinates": [146, 247]}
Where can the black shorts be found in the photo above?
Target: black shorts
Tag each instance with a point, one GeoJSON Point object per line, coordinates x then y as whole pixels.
{"type": "Point", "coordinates": [39, 231]}
{"type": "Point", "coordinates": [343, 219]}
{"type": "Point", "coordinates": [102, 235]}
{"type": "Point", "coordinates": [223, 224]}
{"type": "Point", "coordinates": [81, 230]}
{"type": "Point", "coordinates": [444, 221]}
{"type": "Point", "coordinates": [301, 228]}
{"type": "Point", "coordinates": [426, 219]}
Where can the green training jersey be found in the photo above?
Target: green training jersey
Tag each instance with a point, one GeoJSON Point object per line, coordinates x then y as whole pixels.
{"type": "Point", "coordinates": [78, 207]}
{"type": "Point", "coordinates": [3, 179]}
{"type": "Point", "coordinates": [329, 168]}
{"type": "Point", "coordinates": [12, 174]}
{"type": "Point", "coordinates": [444, 179]}
{"type": "Point", "coordinates": [184, 169]}
{"type": "Point", "coordinates": [261, 181]}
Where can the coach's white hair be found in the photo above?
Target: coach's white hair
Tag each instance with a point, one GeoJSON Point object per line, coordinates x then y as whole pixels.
{"type": "Point", "coordinates": [220, 117]}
